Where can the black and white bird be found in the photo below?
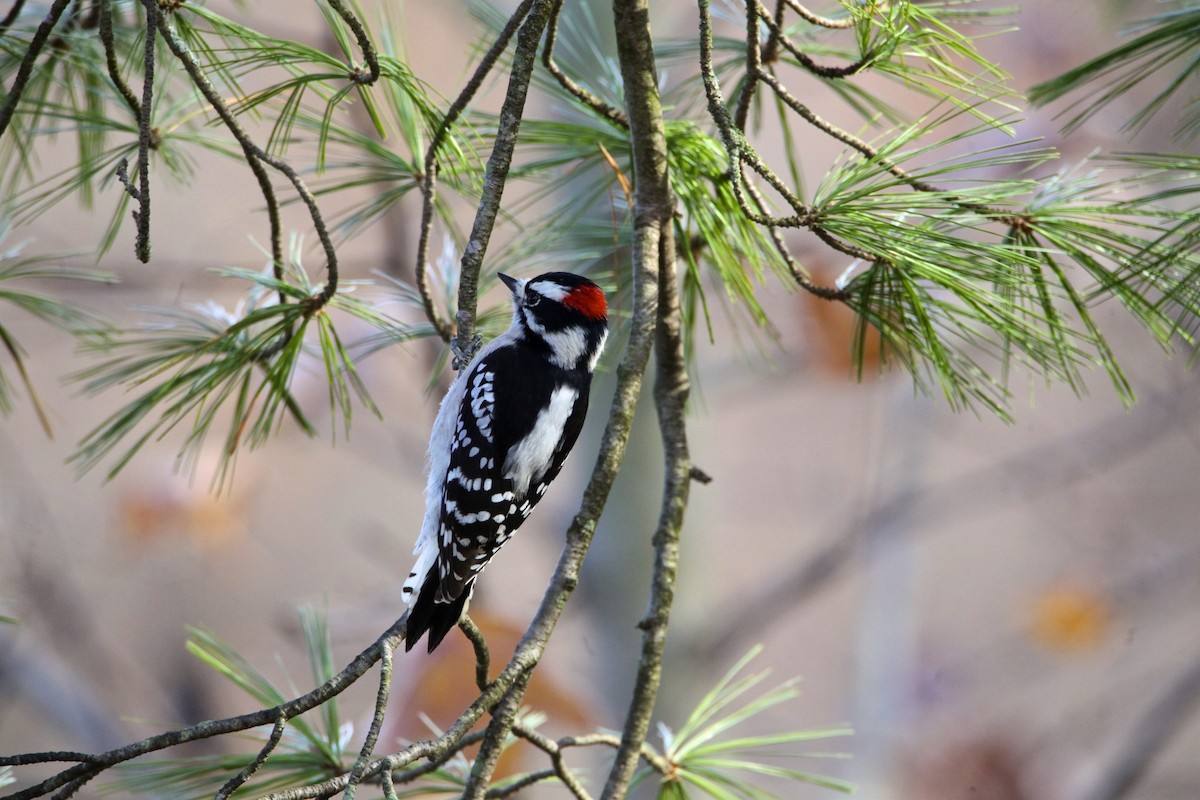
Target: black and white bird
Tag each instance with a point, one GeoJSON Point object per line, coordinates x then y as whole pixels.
{"type": "Point", "coordinates": [501, 436]}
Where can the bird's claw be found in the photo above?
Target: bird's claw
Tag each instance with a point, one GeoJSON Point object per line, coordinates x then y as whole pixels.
{"type": "Point", "coordinates": [464, 355]}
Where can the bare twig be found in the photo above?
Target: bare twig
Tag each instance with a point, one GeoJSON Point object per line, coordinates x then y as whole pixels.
{"type": "Point", "coordinates": [659, 764]}
{"type": "Point", "coordinates": [805, 60]}
{"type": "Point", "coordinates": [364, 44]}
{"type": "Point", "coordinates": [110, 58]}
{"type": "Point", "coordinates": [388, 764]}
{"type": "Point", "coordinates": [753, 65]}
{"type": "Point", "coordinates": [798, 273]}
{"type": "Point", "coordinates": [598, 106]}
{"type": "Point", "coordinates": [815, 19]}
{"type": "Point", "coordinates": [256, 156]}
{"type": "Point", "coordinates": [518, 785]}
{"type": "Point", "coordinates": [429, 179]}
{"type": "Point", "coordinates": [483, 658]}
{"type": "Point", "coordinates": [141, 217]}
{"type": "Point", "coordinates": [503, 717]}
{"type": "Point", "coordinates": [654, 257]}
{"type": "Point", "coordinates": [31, 55]}
{"type": "Point", "coordinates": [11, 16]}
{"type": "Point", "coordinates": [234, 783]}
{"type": "Point", "coordinates": [381, 702]}
{"type": "Point", "coordinates": [555, 751]}
{"type": "Point", "coordinates": [496, 174]}
{"type": "Point", "coordinates": [846, 138]}
{"type": "Point", "coordinates": [95, 764]}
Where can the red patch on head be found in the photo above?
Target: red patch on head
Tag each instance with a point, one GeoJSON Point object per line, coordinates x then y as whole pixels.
{"type": "Point", "coordinates": [587, 300]}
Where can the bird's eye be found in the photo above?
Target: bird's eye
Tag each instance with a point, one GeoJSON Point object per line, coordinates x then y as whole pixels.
{"type": "Point", "coordinates": [532, 299]}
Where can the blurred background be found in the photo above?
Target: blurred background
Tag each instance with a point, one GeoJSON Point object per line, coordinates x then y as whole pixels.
{"type": "Point", "coordinates": [1001, 612]}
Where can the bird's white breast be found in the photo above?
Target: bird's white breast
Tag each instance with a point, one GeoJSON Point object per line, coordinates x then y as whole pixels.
{"type": "Point", "coordinates": [527, 461]}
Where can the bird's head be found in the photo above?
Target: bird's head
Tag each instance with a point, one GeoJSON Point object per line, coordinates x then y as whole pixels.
{"type": "Point", "coordinates": [566, 313]}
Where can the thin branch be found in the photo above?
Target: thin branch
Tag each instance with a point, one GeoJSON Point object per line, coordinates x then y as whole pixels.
{"type": "Point", "coordinates": [737, 148]}
{"type": "Point", "coordinates": [255, 157]}
{"type": "Point", "coordinates": [429, 179]}
{"type": "Point", "coordinates": [798, 274]}
{"type": "Point", "coordinates": [654, 257]}
{"type": "Point", "coordinates": [95, 764]}
{"type": "Point", "coordinates": [388, 764]}
{"type": "Point", "coordinates": [11, 16]}
{"type": "Point", "coordinates": [110, 59]}
{"type": "Point", "coordinates": [364, 43]}
{"type": "Point", "coordinates": [387, 781]}
{"type": "Point", "coordinates": [31, 55]}
{"type": "Point", "coordinates": [234, 783]}
{"type": "Point", "coordinates": [141, 217]}
{"type": "Point", "coordinates": [815, 19]}
{"type": "Point", "coordinates": [770, 50]}
{"type": "Point", "coordinates": [381, 702]}
{"type": "Point", "coordinates": [555, 752]}
{"type": "Point", "coordinates": [254, 154]}
{"type": "Point", "coordinates": [659, 764]}
{"type": "Point", "coordinates": [805, 60]}
{"type": "Point", "coordinates": [503, 717]}
{"type": "Point", "coordinates": [753, 65]}
{"type": "Point", "coordinates": [597, 105]}
{"type": "Point", "coordinates": [483, 658]}
{"type": "Point", "coordinates": [846, 138]}
{"type": "Point", "coordinates": [523, 783]}
{"type": "Point", "coordinates": [496, 175]}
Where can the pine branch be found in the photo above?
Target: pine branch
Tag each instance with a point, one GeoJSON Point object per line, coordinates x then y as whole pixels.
{"type": "Point", "coordinates": [496, 175]}
{"type": "Point", "coordinates": [429, 179]}
{"type": "Point", "coordinates": [93, 765]}
{"type": "Point", "coordinates": [29, 60]}
{"type": "Point", "coordinates": [654, 257]}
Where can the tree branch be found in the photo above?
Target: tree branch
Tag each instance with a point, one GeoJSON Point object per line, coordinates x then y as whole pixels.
{"type": "Point", "coordinates": [823, 22]}
{"type": "Point", "coordinates": [27, 62]}
{"type": "Point", "coordinates": [364, 44]}
{"type": "Point", "coordinates": [13, 13]}
{"type": "Point", "coordinates": [483, 658]}
{"type": "Point", "coordinates": [496, 174]}
{"type": "Point", "coordinates": [554, 749]}
{"type": "Point", "coordinates": [255, 158]}
{"type": "Point", "coordinates": [95, 764]}
{"type": "Point", "coordinates": [654, 257]}
{"type": "Point", "coordinates": [429, 181]}
{"type": "Point", "coordinates": [110, 58]}
{"type": "Point", "coordinates": [234, 783]}
{"type": "Point", "coordinates": [381, 702]}
{"type": "Point", "coordinates": [598, 106]}
{"type": "Point", "coordinates": [141, 217]}
{"type": "Point", "coordinates": [503, 717]}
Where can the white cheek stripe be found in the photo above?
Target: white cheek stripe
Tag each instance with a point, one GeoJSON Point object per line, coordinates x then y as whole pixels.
{"type": "Point", "coordinates": [527, 461]}
{"type": "Point", "coordinates": [566, 346]}
{"type": "Point", "coordinates": [549, 289]}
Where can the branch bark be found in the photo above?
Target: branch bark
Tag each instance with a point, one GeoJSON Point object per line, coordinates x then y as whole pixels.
{"type": "Point", "coordinates": [654, 257]}
{"type": "Point", "coordinates": [507, 128]}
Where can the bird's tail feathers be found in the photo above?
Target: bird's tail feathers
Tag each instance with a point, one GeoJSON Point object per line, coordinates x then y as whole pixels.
{"type": "Point", "coordinates": [433, 617]}
{"type": "Point", "coordinates": [426, 557]}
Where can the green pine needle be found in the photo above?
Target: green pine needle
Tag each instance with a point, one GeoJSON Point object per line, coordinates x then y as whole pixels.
{"type": "Point", "coordinates": [712, 764]}
{"type": "Point", "coordinates": [202, 368]}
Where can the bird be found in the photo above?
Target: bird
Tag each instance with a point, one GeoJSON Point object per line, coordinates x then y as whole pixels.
{"type": "Point", "coordinates": [502, 433]}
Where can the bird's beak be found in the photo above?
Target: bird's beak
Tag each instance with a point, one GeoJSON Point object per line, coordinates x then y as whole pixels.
{"type": "Point", "coordinates": [511, 283]}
